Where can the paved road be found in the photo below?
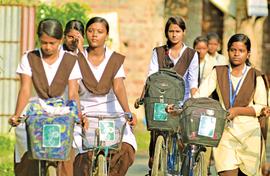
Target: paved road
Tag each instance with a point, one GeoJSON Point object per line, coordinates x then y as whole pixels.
{"type": "Point", "coordinates": [140, 168]}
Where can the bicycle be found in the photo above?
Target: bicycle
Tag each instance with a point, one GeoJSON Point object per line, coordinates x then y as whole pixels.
{"type": "Point", "coordinates": [199, 123]}
{"type": "Point", "coordinates": [167, 153]}
{"type": "Point", "coordinates": [104, 138]}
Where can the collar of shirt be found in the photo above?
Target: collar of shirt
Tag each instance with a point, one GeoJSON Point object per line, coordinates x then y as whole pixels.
{"type": "Point", "coordinates": [180, 54]}
{"type": "Point", "coordinates": [243, 71]}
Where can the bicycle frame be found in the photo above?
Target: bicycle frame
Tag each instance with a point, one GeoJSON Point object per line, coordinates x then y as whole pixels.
{"type": "Point", "coordinates": [191, 158]}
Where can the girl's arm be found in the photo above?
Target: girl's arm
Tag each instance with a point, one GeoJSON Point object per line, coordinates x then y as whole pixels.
{"type": "Point", "coordinates": [73, 89]}
{"type": "Point", "coordinates": [256, 106]}
{"type": "Point", "coordinates": [23, 98]}
{"type": "Point", "coordinates": [121, 95]}
{"type": "Point", "coordinates": [208, 86]}
{"type": "Point", "coordinates": [193, 74]}
{"type": "Point", "coordinates": [245, 111]}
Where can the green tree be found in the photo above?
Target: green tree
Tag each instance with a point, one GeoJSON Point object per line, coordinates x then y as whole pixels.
{"type": "Point", "coordinates": [63, 13]}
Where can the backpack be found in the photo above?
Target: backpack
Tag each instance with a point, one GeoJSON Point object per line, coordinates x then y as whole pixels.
{"type": "Point", "coordinates": [162, 88]}
{"type": "Point", "coordinates": [202, 121]}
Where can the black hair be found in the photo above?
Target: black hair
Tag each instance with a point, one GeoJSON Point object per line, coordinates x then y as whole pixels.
{"type": "Point", "coordinates": [174, 20]}
{"type": "Point", "coordinates": [213, 35]}
{"type": "Point", "coordinates": [240, 38]}
{"type": "Point", "coordinates": [51, 27]}
{"type": "Point", "coordinates": [98, 20]}
{"type": "Point", "coordinates": [74, 24]}
{"type": "Point", "coordinates": [199, 39]}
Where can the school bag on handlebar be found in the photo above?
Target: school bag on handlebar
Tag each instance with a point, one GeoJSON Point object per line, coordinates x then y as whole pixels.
{"type": "Point", "coordinates": [202, 121]}
{"type": "Point", "coordinates": [49, 126]}
{"type": "Point", "coordinates": [162, 88]}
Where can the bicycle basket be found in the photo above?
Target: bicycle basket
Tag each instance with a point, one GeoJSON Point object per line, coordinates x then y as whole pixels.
{"type": "Point", "coordinates": [162, 88]}
{"type": "Point", "coordinates": [202, 121]}
{"type": "Point", "coordinates": [105, 130]}
{"type": "Point", "coordinates": [50, 135]}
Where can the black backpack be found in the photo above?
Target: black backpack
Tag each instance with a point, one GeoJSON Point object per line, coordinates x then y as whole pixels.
{"type": "Point", "coordinates": [162, 88]}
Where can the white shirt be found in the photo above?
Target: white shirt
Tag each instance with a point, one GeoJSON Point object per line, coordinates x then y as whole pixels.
{"type": "Point", "coordinates": [50, 70]}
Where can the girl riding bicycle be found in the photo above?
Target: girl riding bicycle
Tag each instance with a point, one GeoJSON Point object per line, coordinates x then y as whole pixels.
{"type": "Point", "coordinates": [44, 69]}
{"type": "Point", "coordinates": [102, 89]}
{"type": "Point", "coordinates": [241, 91]}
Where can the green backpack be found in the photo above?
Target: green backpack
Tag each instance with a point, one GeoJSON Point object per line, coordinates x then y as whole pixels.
{"type": "Point", "coordinates": [202, 121]}
{"type": "Point", "coordinates": [162, 88]}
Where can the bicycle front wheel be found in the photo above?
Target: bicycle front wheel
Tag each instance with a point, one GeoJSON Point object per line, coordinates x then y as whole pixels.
{"type": "Point", "coordinates": [198, 168]}
{"type": "Point", "coordinates": [102, 166]}
{"type": "Point", "coordinates": [159, 164]}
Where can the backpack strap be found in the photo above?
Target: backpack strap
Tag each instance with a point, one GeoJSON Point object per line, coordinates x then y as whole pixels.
{"type": "Point", "coordinates": [105, 84]}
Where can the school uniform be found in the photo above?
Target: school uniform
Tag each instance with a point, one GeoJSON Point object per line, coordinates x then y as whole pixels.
{"type": "Point", "coordinates": [97, 95]}
{"type": "Point", "coordinates": [185, 65]}
{"type": "Point", "coordinates": [240, 145]}
{"type": "Point", "coordinates": [49, 81]}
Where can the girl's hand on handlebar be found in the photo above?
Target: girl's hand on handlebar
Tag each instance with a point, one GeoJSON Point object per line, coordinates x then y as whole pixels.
{"type": "Point", "coordinates": [232, 113]}
{"type": "Point", "coordinates": [137, 103]}
{"type": "Point", "coordinates": [85, 123]}
{"type": "Point", "coordinates": [173, 110]}
{"type": "Point", "coordinates": [265, 112]}
{"type": "Point", "coordinates": [132, 119]}
{"type": "Point", "coordinates": [14, 120]}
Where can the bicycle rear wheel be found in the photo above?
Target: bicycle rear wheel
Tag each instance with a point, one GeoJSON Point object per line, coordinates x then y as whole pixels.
{"type": "Point", "coordinates": [159, 164]}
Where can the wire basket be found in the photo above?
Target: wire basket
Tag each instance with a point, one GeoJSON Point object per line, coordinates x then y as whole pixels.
{"type": "Point", "coordinates": [105, 130]}
{"type": "Point", "coordinates": [50, 135]}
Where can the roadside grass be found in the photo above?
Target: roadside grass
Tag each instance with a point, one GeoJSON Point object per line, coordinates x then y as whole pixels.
{"type": "Point", "coordinates": [6, 155]}
{"type": "Point", "coordinates": [142, 138]}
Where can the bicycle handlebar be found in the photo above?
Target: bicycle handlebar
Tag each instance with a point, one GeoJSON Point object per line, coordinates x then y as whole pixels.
{"type": "Point", "coordinates": [173, 109]}
{"type": "Point", "coordinates": [138, 102]}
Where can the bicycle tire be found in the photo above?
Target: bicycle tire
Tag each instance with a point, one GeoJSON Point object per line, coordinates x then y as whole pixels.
{"type": "Point", "coordinates": [173, 156]}
{"type": "Point", "coordinates": [198, 168]}
{"type": "Point", "coordinates": [102, 169]}
{"type": "Point", "coordinates": [52, 171]}
{"type": "Point", "coordinates": [185, 168]}
{"type": "Point", "coordinates": [159, 163]}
